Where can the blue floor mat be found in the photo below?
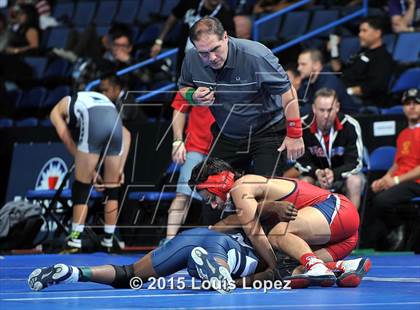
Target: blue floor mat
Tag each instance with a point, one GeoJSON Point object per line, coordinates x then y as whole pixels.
{"type": "Point", "coordinates": [392, 283]}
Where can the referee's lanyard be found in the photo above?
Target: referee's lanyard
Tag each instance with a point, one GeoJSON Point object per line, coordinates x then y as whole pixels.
{"type": "Point", "coordinates": [320, 138]}
{"type": "Point", "coordinates": [191, 20]}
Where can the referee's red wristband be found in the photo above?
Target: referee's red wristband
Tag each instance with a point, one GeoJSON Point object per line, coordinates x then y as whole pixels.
{"type": "Point", "coordinates": [294, 128]}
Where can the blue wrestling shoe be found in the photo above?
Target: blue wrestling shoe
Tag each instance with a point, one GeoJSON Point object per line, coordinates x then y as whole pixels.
{"type": "Point", "coordinates": [40, 278]}
{"type": "Point", "coordinates": [209, 269]}
{"type": "Point", "coordinates": [354, 271]}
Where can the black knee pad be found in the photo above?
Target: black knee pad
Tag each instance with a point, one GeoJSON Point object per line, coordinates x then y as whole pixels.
{"type": "Point", "coordinates": [80, 192]}
{"type": "Point", "coordinates": [113, 193]}
{"type": "Point", "coordinates": [123, 275]}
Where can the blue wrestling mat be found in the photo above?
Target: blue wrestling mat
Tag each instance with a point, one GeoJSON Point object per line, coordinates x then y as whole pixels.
{"type": "Point", "coordinates": [392, 283]}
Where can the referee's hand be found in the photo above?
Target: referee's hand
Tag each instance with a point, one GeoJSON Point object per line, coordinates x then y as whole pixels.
{"type": "Point", "coordinates": [204, 96]}
{"type": "Point", "coordinates": [294, 148]}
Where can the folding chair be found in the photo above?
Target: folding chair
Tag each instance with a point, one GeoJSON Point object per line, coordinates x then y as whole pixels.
{"type": "Point", "coordinates": [49, 199]}
{"type": "Point", "coordinates": [163, 194]}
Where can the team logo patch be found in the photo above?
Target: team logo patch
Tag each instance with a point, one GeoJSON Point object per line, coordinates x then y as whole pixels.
{"type": "Point", "coordinates": [52, 174]}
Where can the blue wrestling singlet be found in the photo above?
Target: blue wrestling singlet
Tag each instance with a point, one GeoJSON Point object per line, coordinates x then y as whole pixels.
{"type": "Point", "coordinates": [233, 248]}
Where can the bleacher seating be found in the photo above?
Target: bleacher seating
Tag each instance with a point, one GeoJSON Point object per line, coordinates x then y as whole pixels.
{"type": "Point", "coordinates": [105, 12]}
{"type": "Point", "coordinates": [321, 18]}
{"type": "Point", "coordinates": [407, 48]}
{"type": "Point", "coordinates": [295, 24]}
{"type": "Point", "coordinates": [83, 15]}
{"type": "Point", "coordinates": [408, 79]}
{"type": "Point", "coordinates": [127, 11]}
{"type": "Point", "coordinates": [269, 31]}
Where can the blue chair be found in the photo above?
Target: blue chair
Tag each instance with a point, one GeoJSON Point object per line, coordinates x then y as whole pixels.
{"type": "Point", "coordinates": [348, 46]}
{"type": "Point", "coordinates": [148, 8]}
{"type": "Point", "coordinates": [407, 48]}
{"type": "Point", "coordinates": [63, 9]}
{"type": "Point", "coordinates": [105, 12]}
{"type": "Point", "coordinates": [379, 160]}
{"type": "Point", "coordinates": [102, 30]}
{"type": "Point", "coordinates": [295, 24]}
{"type": "Point", "coordinates": [408, 79]}
{"type": "Point", "coordinates": [85, 10]}
{"type": "Point", "coordinates": [155, 198]}
{"type": "Point", "coordinates": [6, 123]}
{"type": "Point", "coordinates": [167, 7]}
{"type": "Point", "coordinates": [389, 41]}
{"type": "Point", "coordinates": [395, 110]}
{"type": "Point", "coordinates": [57, 37]}
{"type": "Point", "coordinates": [14, 97]}
{"type": "Point", "coordinates": [321, 18]}
{"type": "Point", "coordinates": [269, 30]}
{"type": "Point", "coordinates": [57, 68]}
{"type": "Point", "coordinates": [33, 98]}
{"type": "Point", "coordinates": [27, 122]}
{"type": "Point", "coordinates": [54, 96]}
{"type": "Point", "coordinates": [127, 11]}
{"type": "Point", "coordinates": [45, 123]}
{"type": "Point", "coordinates": [382, 158]}
{"type": "Point", "coordinates": [149, 34]}
{"type": "Point", "coordinates": [38, 65]}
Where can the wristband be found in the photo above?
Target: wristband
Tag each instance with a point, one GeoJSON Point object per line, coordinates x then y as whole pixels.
{"type": "Point", "coordinates": [177, 143]}
{"type": "Point", "coordinates": [294, 128]}
{"type": "Point", "coordinates": [189, 96]}
{"type": "Point", "coordinates": [158, 41]}
{"type": "Point", "coordinates": [397, 180]}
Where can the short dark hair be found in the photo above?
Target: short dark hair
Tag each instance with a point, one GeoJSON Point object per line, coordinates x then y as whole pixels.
{"type": "Point", "coordinates": [315, 54]}
{"type": "Point", "coordinates": [113, 79]}
{"type": "Point", "coordinates": [119, 30]}
{"type": "Point", "coordinates": [206, 25]}
{"type": "Point", "coordinates": [206, 168]}
{"type": "Point", "coordinates": [374, 22]}
{"type": "Point", "coordinates": [325, 92]}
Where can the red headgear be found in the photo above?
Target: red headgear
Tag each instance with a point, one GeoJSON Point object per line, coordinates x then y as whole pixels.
{"type": "Point", "coordinates": [219, 184]}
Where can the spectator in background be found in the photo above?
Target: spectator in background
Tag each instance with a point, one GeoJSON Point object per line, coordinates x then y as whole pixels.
{"type": "Point", "coordinates": [4, 36]}
{"type": "Point", "coordinates": [333, 148]}
{"type": "Point", "coordinates": [187, 150]}
{"type": "Point", "coordinates": [243, 19]}
{"type": "Point", "coordinates": [367, 74]}
{"type": "Point", "coordinates": [23, 40]}
{"type": "Point", "coordinates": [271, 6]}
{"type": "Point", "coordinates": [190, 12]}
{"type": "Point", "coordinates": [314, 77]}
{"type": "Point", "coordinates": [24, 37]}
{"type": "Point", "coordinates": [402, 181]}
{"type": "Point", "coordinates": [115, 88]}
{"type": "Point", "coordinates": [405, 15]}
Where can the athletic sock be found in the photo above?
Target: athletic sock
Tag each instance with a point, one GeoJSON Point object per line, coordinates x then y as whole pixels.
{"type": "Point", "coordinates": [309, 260]}
{"type": "Point", "coordinates": [109, 231]}
{"type": "Point", "coordinates": [74, 276]}
{"type": "Point", "coordinates": [76, 230]}
{"type": "Point", "coordinates": [85, 274]}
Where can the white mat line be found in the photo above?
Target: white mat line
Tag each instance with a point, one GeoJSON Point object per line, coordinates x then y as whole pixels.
{"type": "Point", "coordinates": [144, 296]}
{"type": "Point", "coordinates": [380, 279]}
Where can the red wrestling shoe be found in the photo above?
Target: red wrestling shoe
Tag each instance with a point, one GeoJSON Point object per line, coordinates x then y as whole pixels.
{"type": "Point", "coordinates": [354, 271]}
